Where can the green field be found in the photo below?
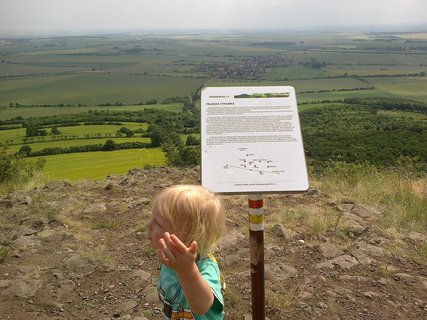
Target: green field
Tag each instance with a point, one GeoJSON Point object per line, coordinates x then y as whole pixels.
{"type": "Point", "coordinates": [94, 89]}
{"type": "Point", "coordinates": [75, 75]}
{"type": "Point", "coordinates": [16, 136]}
{"type": "Point", "coordinates": [26, 112]}
{"type": "Point", "coordinates": [97, 165]}
{"type": "Point", "coordinates": [37, 146]}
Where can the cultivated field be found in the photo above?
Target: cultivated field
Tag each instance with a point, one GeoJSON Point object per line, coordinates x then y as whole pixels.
{"type": "Point", "coordinates": [45, 77]}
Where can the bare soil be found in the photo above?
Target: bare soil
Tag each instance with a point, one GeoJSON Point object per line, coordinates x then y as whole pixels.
{"type": "Point", "coordinates": [80, 251]}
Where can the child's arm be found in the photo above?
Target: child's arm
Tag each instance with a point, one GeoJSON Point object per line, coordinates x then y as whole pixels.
{"type": "Point", "coordinates": [177, 256]}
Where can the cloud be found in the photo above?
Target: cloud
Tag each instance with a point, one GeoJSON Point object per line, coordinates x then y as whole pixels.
{"type": "Point", "coordinates": [56, 15]}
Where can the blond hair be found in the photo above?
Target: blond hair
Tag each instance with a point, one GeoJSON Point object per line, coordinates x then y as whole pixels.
{"type": "Point", "coordinates": [195, 213]}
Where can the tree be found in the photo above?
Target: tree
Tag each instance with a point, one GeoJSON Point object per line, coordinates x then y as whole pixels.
{"type": "Point", "coordinates": [109, 145]}
{"type": "Point", "coordinates": [192, 141]}
{"type": "Point", "coordinates": [55, 131]}
{"type": "Point", "coordinates": [125, 131]}
{"type": "Point", "coordinates": [25, 150]}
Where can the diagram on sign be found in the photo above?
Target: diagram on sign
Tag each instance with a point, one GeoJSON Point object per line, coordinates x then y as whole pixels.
{"type": "Point", "coordinates": [252, 163]}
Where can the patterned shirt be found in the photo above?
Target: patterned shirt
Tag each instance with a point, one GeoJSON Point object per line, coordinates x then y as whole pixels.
{"type": "Point", "coordinates": [175, 306]}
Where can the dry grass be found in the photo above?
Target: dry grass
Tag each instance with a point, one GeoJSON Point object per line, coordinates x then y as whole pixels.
{"type": "Point", "coordinates": [312, 219]}
{"type": "Point", "coordinates": [281, 300]}
{"type": "Point", "coordinates": [401, 197]}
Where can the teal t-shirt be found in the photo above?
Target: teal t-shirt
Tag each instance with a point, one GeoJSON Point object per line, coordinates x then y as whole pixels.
{"type": "Point", "coordinates": [171, 295]}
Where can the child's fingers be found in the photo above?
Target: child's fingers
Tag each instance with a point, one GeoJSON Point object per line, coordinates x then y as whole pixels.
{"type": "Point", "coordinates": [161, 256]}
{"type": "Point", "coordinates": [181, 248]}
{"type": "Point", "coordinates": [193, 247]}
{"type": "Point", "coordinates": [166, 249]}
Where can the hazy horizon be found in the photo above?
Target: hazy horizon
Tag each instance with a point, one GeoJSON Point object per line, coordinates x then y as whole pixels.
{"type": "Point", "coordinates": [61, 17]}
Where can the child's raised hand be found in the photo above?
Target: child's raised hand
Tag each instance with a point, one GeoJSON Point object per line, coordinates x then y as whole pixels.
{"type": "Point", "coordinates": [175, 254]}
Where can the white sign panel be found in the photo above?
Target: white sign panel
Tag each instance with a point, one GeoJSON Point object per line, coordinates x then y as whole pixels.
{"type": "Point", "coordinates": [251, 140]}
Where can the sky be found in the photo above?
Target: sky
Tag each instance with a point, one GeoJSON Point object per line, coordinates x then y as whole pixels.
{"type": "Point", "coordinates": [62, 16]}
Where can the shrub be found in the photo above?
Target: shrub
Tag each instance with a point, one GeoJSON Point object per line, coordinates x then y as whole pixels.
{"type": "Point", "coordinates": [16, 170]}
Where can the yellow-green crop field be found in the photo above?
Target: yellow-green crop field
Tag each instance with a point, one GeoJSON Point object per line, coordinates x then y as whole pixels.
{"type": "Point", "coordinates": [98, 165]}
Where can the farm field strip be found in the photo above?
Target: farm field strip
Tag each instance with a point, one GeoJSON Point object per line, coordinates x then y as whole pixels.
{"type": "Point", "coordinates": [95, 89]}
{"type": "Point", "coordinates": [80, 132]}
{"type": "Point", "coordinates": [98, 165]}
{"type": "Point", "coordinates": [37, 146]}
{"type": "Point", "coordinates": [26, 112]}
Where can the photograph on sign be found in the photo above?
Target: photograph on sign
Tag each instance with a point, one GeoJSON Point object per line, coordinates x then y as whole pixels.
{"type": "Point", "coordinates": [251, 140]}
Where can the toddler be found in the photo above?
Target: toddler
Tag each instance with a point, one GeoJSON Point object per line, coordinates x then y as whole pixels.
{"type": "Point", "coordinates": [186, 222]}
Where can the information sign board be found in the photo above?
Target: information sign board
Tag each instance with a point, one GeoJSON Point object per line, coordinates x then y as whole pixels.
{"type": "Point", "coordinates": [251, 140]}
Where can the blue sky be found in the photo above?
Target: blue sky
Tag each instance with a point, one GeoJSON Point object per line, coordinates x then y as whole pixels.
{"type": "Point", "coordinates": [56, 16]}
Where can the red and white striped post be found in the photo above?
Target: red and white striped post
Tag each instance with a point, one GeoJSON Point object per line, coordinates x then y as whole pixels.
{"type": "Point", "coordinates": [256, 238]}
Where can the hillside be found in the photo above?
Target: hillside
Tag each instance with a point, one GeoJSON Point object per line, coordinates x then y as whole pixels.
{"type": "Point", "coordinates": [79, 251]}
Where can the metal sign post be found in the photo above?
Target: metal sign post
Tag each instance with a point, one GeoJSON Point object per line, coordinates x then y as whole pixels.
{"type": "Point", "coordinates": [256, 238]}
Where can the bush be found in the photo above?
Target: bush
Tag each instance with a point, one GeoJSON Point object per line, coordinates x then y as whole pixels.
{"type": "Point", "coordinates": [16, 170]}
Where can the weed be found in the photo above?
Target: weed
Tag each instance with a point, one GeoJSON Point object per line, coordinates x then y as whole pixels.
{"type": "Point", "coordinates": [102, 225]}
{"type": "Point", "coordinates": [280, 300]}
{"type": "Point", "coordinates": [51, 214]}
{"type": "Point", "coordinates": [231, 298]}
{"type": "Point", "coordinates": [386, 271]}
{"type": "Point", "coordinates": [4, 254]}
{"type": "Point", "coordinates": [101, 257]}
{"type": "Point", "coordinates": [420, 254]}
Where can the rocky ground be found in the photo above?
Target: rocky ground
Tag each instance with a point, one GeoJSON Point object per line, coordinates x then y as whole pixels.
{"type": "Point", "coordinates": [79, 251]}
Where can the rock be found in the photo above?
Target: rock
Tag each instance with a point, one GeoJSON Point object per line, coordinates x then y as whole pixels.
{"type": "Point", "coordinates": [423, 282]}
{"type": "Point", "coordinates": [50, 303]}
{"type": "Point", "coordinates": [56, 185]}
{"type": "Point", "coordinates": [345, 262]}
{"type": "Point", "coordinates": [141, 275]}
{"type": "Point", "coordinates": [384, 281]}
{"type": "Point", "coordinates": [95, 208]}
{"type": "Point", "coordinates": [362, 257]}
{"type": "Point", "coordinates": [4, 283]}
{"type": "Point", "coordinates": [366, 212]}
{"type": "Point", "coordinates": [329, 250]}
{"type": "Point", "coordinates": [17, 199]}
{"type": "Point", "coordinates": [25, 269]}
{"type": "Point", "coordinates": [230, 239]}
{"type": "Point", "coordinates": [28, 232]}
{"type": "Point", "coordinates": [27, 242]}
{"type": "Point", "coordinates": [277, 230]}
{"type": "Point", "coordinates": [372, 295]}
{"type": "Point", "coordinates": [23, 288]}
{"type": "Point", "coordinates": [39, 223]}
{"type": "Point", "coordinates": [79, 265]}
{"type": "Point", "coordinates": [373, 250]}
{"type": "Point", "coordinates": [126, 306]}
{"type": "Point", "coordinates": [354, 278]}
{"type": "Point", "coordinates": [151, 295]}
{"type": "Point", "coordinates": [66, 287]}
{"type": "Point", "coordinates": [138, 279]}
{"type": "Point", "coordinates": [353, 223]}
{"type": "Point", "coordinates": [109, 186]}
{"type": "Point", "coordinates": [403, 276]}
{"type": "Point", "coordinates": [231, 259]}
{"type": "Point", "coordinates": [305, 295]}
{"type": "Point", "coordinates": [288, 271]}
{"type": "Point", "coordinates": [417, 237]}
